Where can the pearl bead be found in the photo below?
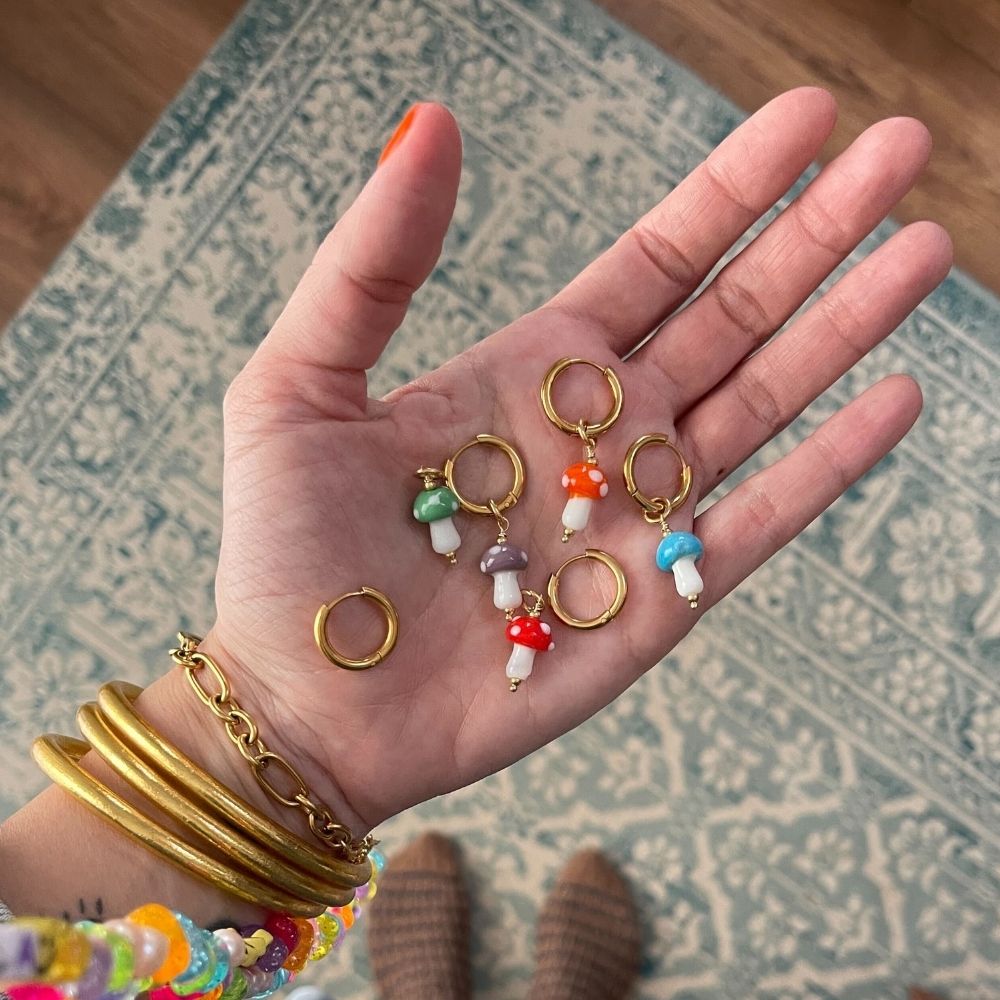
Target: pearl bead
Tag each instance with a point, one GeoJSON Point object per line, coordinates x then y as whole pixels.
{"type": "Point", "coordinates": [230, 939]}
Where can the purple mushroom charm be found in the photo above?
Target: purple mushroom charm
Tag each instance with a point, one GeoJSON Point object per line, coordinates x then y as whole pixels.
{"type": "Point", "coordinates": [503, 562]}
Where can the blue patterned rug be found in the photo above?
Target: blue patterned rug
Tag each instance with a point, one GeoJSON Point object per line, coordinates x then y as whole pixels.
{"type": "Point", "coordinates": [807, 796]}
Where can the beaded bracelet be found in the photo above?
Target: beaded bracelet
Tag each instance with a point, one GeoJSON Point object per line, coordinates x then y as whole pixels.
{"type": "Point", "coordinates": [165, 953]}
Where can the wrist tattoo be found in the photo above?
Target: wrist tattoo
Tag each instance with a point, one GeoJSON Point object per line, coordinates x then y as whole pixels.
{"type": "Point", "coordinates": [95, 913]}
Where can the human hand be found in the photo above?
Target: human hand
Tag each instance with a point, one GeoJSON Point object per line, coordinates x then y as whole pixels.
{"type": "Point", "coordinates": [319, 479]}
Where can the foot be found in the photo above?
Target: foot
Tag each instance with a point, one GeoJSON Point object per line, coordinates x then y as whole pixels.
{"type": "Point", "coordinates": [418, 924]}
{"type": "Point", "coordinates": [588, 935]}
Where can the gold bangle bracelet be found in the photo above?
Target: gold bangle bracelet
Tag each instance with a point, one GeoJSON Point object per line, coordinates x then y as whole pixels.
{"type": "Point", "coordinates": [116, 701]}
{"type": "Point", "coordinates": [240, 850]}
{"type": "Point", "coordinates": [59, 757]}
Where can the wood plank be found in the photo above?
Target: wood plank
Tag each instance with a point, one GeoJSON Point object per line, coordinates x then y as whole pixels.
{"type": "Point", "coordinates": [878, 59]}
{"type": "Point", "coordinates": [82, 82]}
{"type": "Point", "coordinates": [972, 24]}
{"type": "Point", "coordinates": [80, 85]}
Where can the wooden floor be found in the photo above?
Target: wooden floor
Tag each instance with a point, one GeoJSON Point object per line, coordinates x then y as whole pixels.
{"type": "Point", "coordinates": [81, 82]}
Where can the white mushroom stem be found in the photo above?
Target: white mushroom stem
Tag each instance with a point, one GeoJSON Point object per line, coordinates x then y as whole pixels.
{"type": "Point", "coordinates": [687, 578]}
{"type": "Point", "coordinates": [576, 513]}
{"type": "Point", "coordinates": [506, 590]}
{"type": "Point", "coordinates": [444, 536]}
{"type": "Point", "coordinates": [519, 664]}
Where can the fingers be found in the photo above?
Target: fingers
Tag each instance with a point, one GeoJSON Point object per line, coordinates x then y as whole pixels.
{"type": "Point", "coordinates": [771, 388]}
{"type": "Point", "coordinates": [654, 266]}
{"type": "Point", "coordinates": [764, 513]}
{"type": "Point", "coordinates": [755, 293]}
{"type": "Point", "coordinates": [357, 289]}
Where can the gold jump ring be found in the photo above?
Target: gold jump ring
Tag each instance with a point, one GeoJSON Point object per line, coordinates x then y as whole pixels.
{"type": "Point", "coordinates": [338, 658]}
{"type": "Point", "coordinates": [656, 507]}
{"type": "Point", "coordinates": [491, 507]}
{"type": "Point", "coordinates": [621, 591]}
{"type": "Point", "coordinates": [585, 430]}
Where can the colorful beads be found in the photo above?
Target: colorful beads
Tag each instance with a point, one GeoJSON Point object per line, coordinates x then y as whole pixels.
{"type": "Point", "coordinates": [19, 955]}
{"type": "Point", "coordinates": [33, 991]}
{"type": "Point", "coordinates": [122, 960]}
{"type": "Point", "coordinates": [201, 961]}
{"type": "Point", "coordinates": [256, 981]}
{"type": "Point", "coordinates": [166, 955]}
{"type": "Point", "coordinates": [283, 928]}
{"type": "Point", "coordinates": [194, 988]}
{"type": "Point", "coordinates": [71, 958]}
{"type": "Point", "coordinates": [93, 984]}
{"type": "Point", "coordinates": [274, 957]}
{"type": "Point", "coordinates": [299, 955]}
{"type": "Point", "coordinates": [255, 941]}
{"type": "Point", "coordinates": [232, 942]}
{"type": "Point", "coordinates": [62, 953]}
{"type": "Point", "coordinates": [237, 988]}
{"type": "Point", "coordinates": [345, 914]}
{"type": "Point", "coordinates": [273, 982]}
{"type": "Point", "coordinates": [149, 947]}
{"type": "Point", "coordinates": [209, 966]}
{"type": "Point", "coordinates": [162, 993]}
{"type": "Point", "coordinates": [159, 918]}
{"type": "Point", "coordinates": [327, 931]}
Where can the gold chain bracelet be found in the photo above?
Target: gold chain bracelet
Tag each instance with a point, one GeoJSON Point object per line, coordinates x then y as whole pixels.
{"type": "Point", "coordinates": [243, 732]}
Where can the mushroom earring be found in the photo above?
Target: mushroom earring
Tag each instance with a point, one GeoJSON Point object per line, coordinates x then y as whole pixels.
{"type": "Point", "coordinates": [502, 561]}
{"type": "Point", "coordinates": [530, 635]}
{"type": "Point", "coordinates": [585, 481]}
{"type": "Point", "coordinates": [434, 506]}
{"type": "Point", "coordinates": [677, 551]}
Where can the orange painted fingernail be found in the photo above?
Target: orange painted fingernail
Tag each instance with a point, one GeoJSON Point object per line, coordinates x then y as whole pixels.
{"type": "Point", "coordinates": [397, 137]}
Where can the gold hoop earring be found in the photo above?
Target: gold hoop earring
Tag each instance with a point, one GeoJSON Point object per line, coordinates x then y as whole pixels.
{"type": "Point", "coordinates": [502, 561]}
{"type": "Point", "coordinates": [677, 550]}
{"type": "Point", "coordinates": [584, 481]}
{"type": "Point", "coordinates": [621, 591]}
{"type": "Point", "coordinates": [366, 662]}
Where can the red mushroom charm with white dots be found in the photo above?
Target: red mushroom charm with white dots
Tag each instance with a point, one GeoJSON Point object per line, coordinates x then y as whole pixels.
{"type": "Point", "coordinates": [585, 483]}
{"type": "Point", "coordinates": [530, 635]}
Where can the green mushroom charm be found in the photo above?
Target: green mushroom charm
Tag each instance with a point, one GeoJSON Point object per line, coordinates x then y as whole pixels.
{"type": "Point", "coordinates": [678, 551]}
{"type": "Point", "coordinates": [434, 505]}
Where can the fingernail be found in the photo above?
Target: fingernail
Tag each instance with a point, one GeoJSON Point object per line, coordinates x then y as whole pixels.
{"type": "Point", "coordinates": [397, 137]}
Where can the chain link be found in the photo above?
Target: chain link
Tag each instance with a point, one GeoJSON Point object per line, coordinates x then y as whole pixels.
{"type": "Point", "coordinates": [244, 734]}
{"type": "Point", "coordinates": [588, 441]}
{"type": "Point", "coordinates": [503, 525]}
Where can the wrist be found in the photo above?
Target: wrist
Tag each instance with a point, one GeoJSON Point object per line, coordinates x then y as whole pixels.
{"type": "Point", "coordinates": [292, 742]}
{"type": "Point", "coordinates": [61, 859]}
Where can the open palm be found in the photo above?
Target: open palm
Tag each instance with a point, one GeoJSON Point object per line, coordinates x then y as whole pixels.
{"type": "Point", "coordinates": [319, 479]}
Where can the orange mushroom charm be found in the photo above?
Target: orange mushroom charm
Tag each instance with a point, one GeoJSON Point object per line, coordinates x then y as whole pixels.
{"type": "Point", "coordinates": [585, 483]}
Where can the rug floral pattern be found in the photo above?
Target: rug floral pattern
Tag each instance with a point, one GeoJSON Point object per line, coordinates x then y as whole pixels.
{"type": "Point", "coordinates": [806, 797]}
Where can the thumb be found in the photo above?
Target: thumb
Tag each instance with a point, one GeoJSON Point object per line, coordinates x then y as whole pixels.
{"type": "Point", "coordinates": [356, 292]}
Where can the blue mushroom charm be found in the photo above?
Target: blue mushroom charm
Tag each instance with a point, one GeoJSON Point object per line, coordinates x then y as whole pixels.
{"type": "Point", "coordinates": [678, 551]}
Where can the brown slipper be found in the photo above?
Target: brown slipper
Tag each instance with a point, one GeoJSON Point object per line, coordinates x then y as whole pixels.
{"type": "Point", "coordinates": [418, 924]}
{"type": "Point", "coordinates": [589, 936]}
